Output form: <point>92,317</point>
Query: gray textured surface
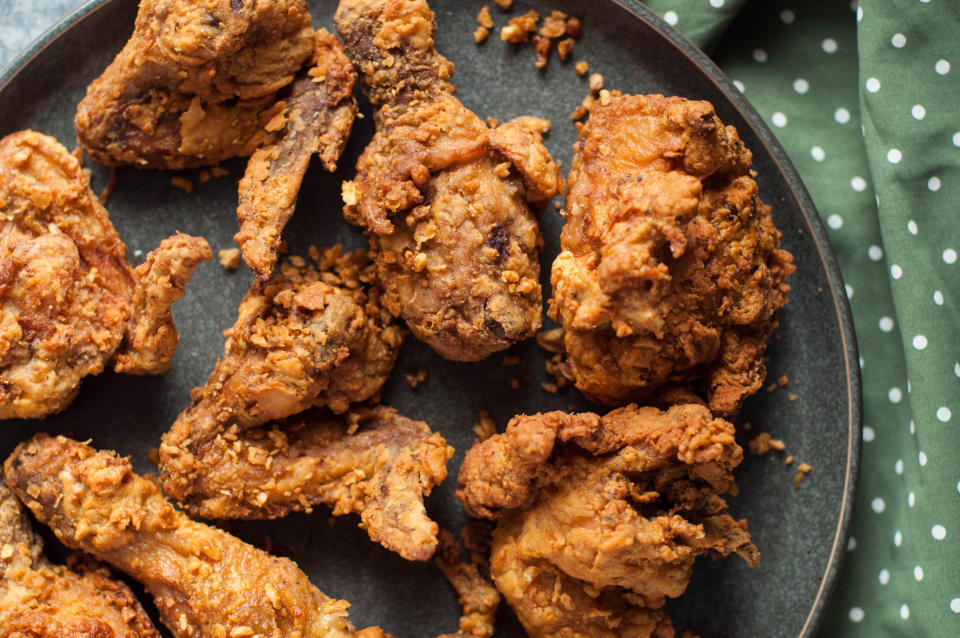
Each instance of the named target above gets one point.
<point>795,529</point>
<point>22,21</point>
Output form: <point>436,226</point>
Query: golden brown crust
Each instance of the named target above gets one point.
<point>195,83</point>
<point>671,267</point>
<point>41,600</point>
<point>603,517</point>
<point>206,583</point>
<point>445,200</point>
<point>369,461</point>
<point>317,117</point>
<point>69,298</point>
<point>478,598</point>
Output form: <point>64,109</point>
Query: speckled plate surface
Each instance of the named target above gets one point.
<point>801,532</point>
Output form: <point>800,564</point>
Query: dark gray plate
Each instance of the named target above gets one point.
<point>801,533</point>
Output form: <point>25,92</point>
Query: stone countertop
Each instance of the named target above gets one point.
<point>23,21</point>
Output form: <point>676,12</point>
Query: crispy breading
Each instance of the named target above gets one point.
<point>196,83</point>
<point>318,114</point>
<point>71,301</point>
<point>671,268</point>
<point>478,598</point>
<point>446,201</point>
<point>601,518</point>
<point>369,461</point>
<point>41,600</point>
<point>205,582</point>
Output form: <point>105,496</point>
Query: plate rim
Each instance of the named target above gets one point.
<point>791,177</point>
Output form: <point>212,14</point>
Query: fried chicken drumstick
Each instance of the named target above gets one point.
<point>41,600</point>
<point>206,583</point>
<point>301,342</point>
<point>601,518</point>
<point>71,301</point>
<point>318,114</point>
<point>445,200</point>
<point>671,267</point>
<point>196,83</point>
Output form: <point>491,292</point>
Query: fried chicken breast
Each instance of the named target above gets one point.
<point>601,518</point>
<point>41,600</point>
<point>71,303</point>
<point>670,267</point>
<point>308,338</point>
<point>318,114</point>
<point>206,583</point>
<point>447,201</point>
<point>196,82</point>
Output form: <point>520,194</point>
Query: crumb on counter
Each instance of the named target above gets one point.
<point>509,361</point>
<point>229,258</point>
<point>514,383</point>
<point>574,28</point>
<point>551,340</point>
<point>791,397</point>
<point>541,49</point>
<point>554,25</point>
<point>182,183</point>
<point>480,34</point>
<point>549,387</point>
<point>564,47</point>
<point>782,381</point>
<point>595,82</point>
<point>763,443</point>
<point>416,379</point>
<point>484,18</point>
<point>485,427</point>
<point>802,470</point>
<point>108,189</point>
<point>788,460</point>
<point>504,4</point>
<point>581,67</point>
<point>214,172</point>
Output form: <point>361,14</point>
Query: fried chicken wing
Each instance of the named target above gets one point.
<point>601,518</point>
<point>41,600</point>
<point>318,115</point>
<point>196,83</point>
<point>70,300</point>
<point>301,342</point>
<point>445,200</point>
<point>370,461</point>
<point>671,268</point>
<point>479,599</point>
<point>206,583</point>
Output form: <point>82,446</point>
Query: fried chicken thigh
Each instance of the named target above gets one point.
<point>41,600</point>
<point>318,114</point>
<point>206,583</point>
<point>445,200</point>
<point>601,518</point>
<point>308,339</point>
<point>671,268</point>
<point>71,303</point>
<point>196,83</point>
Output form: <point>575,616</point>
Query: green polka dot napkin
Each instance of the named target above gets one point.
<point>865,98</point>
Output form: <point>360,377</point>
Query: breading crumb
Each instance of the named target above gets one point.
<point>504,4</point>
<point>486,427</point>
<point>514,383</point>
<point>791,397</point>
<point>480,34</point>
<point>595,82</point>
<point>788,460</point>
<point>581,67</point>
<point>519,28</point>
<point>578,113</point>
<point>564,47</point>
<point>554,25</point>
<point>229,258</point>
<point>763,443</point>
<point>574,28</point>
<point>492,122</point>
<point>484,17</point>
<point>551,340</point>
<point>541,50</point>
<point>782,381</point>
<point>108,189</point>
<point>509,361</point>
<point>549,387</point>
<point>802,470</point>
<point>182,183</point>
<point>416,379</point>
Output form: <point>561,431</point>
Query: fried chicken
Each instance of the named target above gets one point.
<point>479,599</point>
<point>370,461</point>
<point>601,518</point>
<point>196,83</point>
<point>71,301</point>
<point>670,267</point>
<point>318,115</point>
<point>206,583</point>
<point>301,342</point>
<point>41,600</point>
<point>445,200</point>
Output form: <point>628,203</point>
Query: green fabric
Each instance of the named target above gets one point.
<point>890,195</point>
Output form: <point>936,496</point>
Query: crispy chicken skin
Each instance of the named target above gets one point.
<point>317,117</point>
<point>445,200</point>
<point>369,461</point>
<point>670,266</point>
<point>601,518</point>
<point>196,82</point>
<point>206,583</point>
<point>41,600</point>
<point>69,299</point>
<point>301,342</point>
